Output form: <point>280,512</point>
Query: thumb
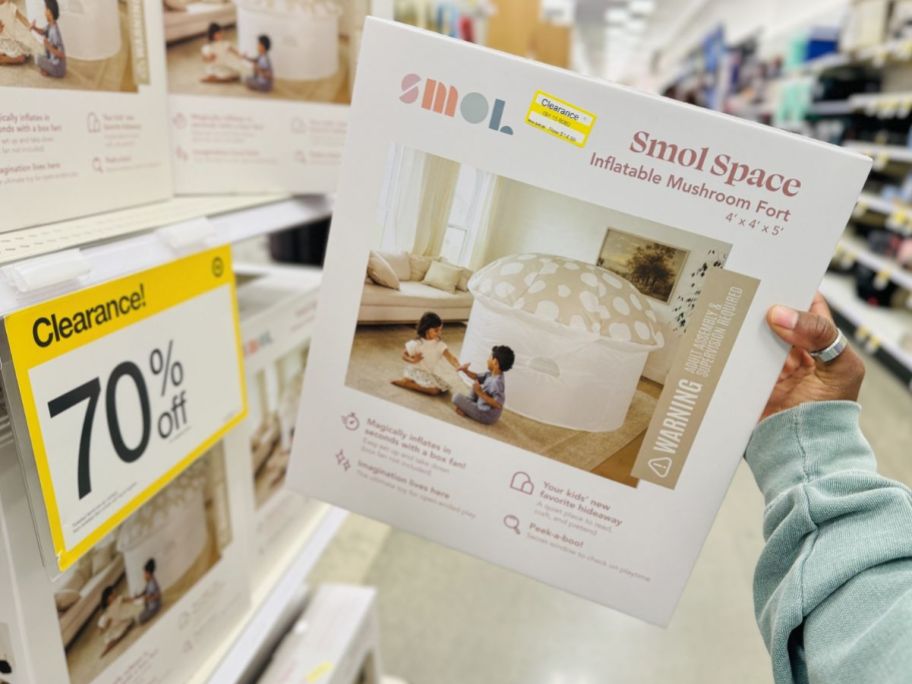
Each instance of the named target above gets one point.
<point>808,331</point>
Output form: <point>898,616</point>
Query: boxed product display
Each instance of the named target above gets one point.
<point>148,603</point>
<point>541,336</point>
<point>277,310</point>
<point>336,641</point>
<point>84,127</point>
<point>259,91</point>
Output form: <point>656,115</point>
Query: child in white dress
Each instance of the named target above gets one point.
<point>118,614</point>
<point>422,356</point>
<point>221,64</point>
<point>17,43</point>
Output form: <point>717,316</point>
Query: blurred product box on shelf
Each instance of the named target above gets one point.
<point>866,25</point>
<point>259,91</point>
<point>541,337</point>
<point>84,126</point>
<point>146,604</point>
<point>277,308</point>
<point>141,503</point>
<point>336,641</point>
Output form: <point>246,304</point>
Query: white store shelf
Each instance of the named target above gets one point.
<point>885,105</point>
<point>818,65</point>
<point>243,647</point>
<point>832,108</point>
<point>880,328</point>
<point>857,250</point>
<point>870,202</point>
<point>125,255</point>
<point>896,153</point>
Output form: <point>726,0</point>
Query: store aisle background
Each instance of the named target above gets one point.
<point>448,618</point>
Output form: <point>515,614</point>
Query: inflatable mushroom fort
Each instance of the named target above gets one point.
<point>581,335</point>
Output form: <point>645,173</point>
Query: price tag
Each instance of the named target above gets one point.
<point>882,279</point>
<point>123,386</point>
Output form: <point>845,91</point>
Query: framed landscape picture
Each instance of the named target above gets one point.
<point>651,267</point>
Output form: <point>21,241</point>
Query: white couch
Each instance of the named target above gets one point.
<point>194,20</point>
<point>406,305</point>
<point>78,591</point>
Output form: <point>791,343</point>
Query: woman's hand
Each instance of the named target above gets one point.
<point>802,378</point>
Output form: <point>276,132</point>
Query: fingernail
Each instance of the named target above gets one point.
<point>784,317</point>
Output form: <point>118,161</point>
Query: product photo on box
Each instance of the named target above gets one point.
<point>539,333</point>
<point>89,129</point>
<point>277,309</point>
<point>259,91</point>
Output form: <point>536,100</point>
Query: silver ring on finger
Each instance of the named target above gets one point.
<point>833,350</point>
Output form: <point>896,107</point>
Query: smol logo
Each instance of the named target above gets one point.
<point>254,345</point>
<point>660,466</point>
<point>444,99</point>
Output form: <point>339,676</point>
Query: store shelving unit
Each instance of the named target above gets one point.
<point>878,331</point>
<point>881,331</point>
<point>158,241</point>
<point>895,153</point>
<point>48,261</point>
<point>240,651</point>
<point>887,269</point>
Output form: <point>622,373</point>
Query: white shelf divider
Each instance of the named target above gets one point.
<point>124,255</point>
<point>229,663</point>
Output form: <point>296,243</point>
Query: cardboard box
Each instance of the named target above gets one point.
<point>83,130</point>
<point>260,91</point>
<point>624,247</point>
<point>277,309</point>
<point>92,624</point>
<point>336,641</point>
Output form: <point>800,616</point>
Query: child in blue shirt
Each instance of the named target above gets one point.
<point>261,80</point>
<point>489,393</point>
<point>53,62</point>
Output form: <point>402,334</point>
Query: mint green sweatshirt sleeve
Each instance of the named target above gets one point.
<point>833,585</point>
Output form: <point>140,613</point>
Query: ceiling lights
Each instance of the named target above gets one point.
<point>626,22</point>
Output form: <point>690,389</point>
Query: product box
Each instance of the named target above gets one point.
<point>277,307</point>
<point>99,622</point>
<point>260,91</point>
<point>336,641</point>
<point>83,127</point>
<point>601,260</point>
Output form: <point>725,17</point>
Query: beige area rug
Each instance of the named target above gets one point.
<point>376,360</point>
<point>186,68</point>
<point>114,74</point>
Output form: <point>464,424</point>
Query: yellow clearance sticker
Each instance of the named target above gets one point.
<point>560,118</point>
<point>319,672</point>
<point>123,386</point>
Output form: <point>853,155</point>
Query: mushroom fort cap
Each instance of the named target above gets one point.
<point>565,292</point>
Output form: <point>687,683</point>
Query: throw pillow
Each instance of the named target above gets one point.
<point>65,599</point>
<point>399,261</point>
<point>443,276</point>
<point>102,555</point>
<point>463,284</point>
<point>381,272</point>
<point>419,266</point>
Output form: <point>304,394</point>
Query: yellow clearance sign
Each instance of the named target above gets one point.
<point>123,386</point>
